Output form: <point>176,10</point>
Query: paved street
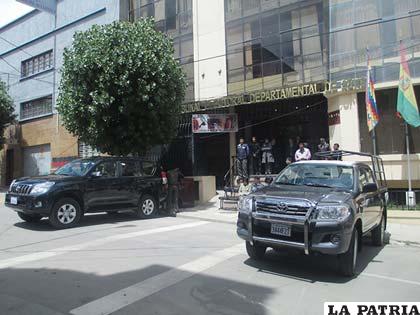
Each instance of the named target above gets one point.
<point>181,266</point>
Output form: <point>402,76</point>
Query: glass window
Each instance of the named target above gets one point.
<point>365,177</point>
<point>234,34</point>
<point>36,64</point>
<point>233,9</point>
<point>390,132</point>
<point>148,168</point>
<point>252,29</point>
<point>75,168</point>
<point>106,169</point>
<point>130,168</point>
<point>270,25</point>
<point>36,108</point>
<point>250,7</point>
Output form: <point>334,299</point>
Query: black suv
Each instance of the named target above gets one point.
<point>318,207</point>
<point>100,184</point>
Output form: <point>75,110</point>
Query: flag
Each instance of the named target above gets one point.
<point>371,108</point>
<point>406,103</point>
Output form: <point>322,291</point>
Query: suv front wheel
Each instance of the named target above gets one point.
<point>147,207</point>
<point>66,213</point>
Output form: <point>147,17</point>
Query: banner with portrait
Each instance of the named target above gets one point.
<point>209,123</point>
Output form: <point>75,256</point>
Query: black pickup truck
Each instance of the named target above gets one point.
<point>321,206</point>
<point>101,184</point>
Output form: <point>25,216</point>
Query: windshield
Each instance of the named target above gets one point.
<point>75,168</point>
<point>320,175</point>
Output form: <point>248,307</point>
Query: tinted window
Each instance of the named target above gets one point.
<point>106,169</point>
<point>365,177</point>
<point>149,168</point>
<point>130,168</point>
<point>75,168</point>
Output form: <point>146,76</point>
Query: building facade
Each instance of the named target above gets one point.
<point>260,58</point>
<point>287,68</point>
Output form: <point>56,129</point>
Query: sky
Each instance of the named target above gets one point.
<point>11,9</point>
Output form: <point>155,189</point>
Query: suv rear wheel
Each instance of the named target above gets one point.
<point>255,251</point>
<point>378,233</point>
<point>347,261</point>
<point>29,217</point>
<point>66,213</point>
<point>147,207</point>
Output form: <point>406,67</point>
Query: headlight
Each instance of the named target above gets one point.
<point>332,212</point>
<point>245,204</point>
<point>41,188</point>
<point>11,185</point>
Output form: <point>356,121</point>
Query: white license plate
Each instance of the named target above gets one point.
<point>281,229</point>
<point>13,200</point>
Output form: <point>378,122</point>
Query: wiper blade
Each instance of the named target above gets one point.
<point>291,184</point>
<point>317,185</point>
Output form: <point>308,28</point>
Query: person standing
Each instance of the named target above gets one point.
<point>242,154</point>
<point>302,154</point>
<point>255,156</point>
<point>267,156</point>
<point>244,188</point>
<point>323,146</point>
<point>337,155</point>
<point>174,182</point>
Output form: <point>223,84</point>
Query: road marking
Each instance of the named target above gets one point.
<point>6,263</point>
<point>390,278</point>
<point>122,298</point>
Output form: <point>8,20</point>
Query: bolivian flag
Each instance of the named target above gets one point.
<point>407,104</point>
<point>372,114</point>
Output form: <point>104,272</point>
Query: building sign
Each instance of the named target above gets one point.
<point>207,123</point>
<point>43,5</point>
<point>276,94</point>
<point>334,118</point>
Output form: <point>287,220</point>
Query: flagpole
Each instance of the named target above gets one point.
<point>374,141</point>
<point>408,158</point>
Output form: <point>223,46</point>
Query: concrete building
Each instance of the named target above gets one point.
<point>291,68</point>
<point>31,50</point>
<point>286,68</point>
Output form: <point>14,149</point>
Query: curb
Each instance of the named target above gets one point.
<point>205,219</point>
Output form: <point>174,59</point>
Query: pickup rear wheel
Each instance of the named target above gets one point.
<point>147,207</point>
<point>66,213</point>
<point>29,217</point>
<point>255,251</point>
<point>378,233</point>
<point>347,261</point>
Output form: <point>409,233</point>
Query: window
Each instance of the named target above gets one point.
<point>390,132</point>
<point>365,177</point>
<point>37,64</point>
<point>36,108</point>
<point>106,169</point>
<point>130,168</point>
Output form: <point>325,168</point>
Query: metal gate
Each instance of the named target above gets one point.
<point>37,160</point>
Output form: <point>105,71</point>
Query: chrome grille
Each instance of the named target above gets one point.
<point>286,207</point>
<point>21,189</point>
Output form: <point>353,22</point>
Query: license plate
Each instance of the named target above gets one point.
<point>13,200</point>
<point>281,229</point>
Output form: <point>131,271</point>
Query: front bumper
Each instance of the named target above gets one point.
<point>330,238</point>
<point>29,204</point>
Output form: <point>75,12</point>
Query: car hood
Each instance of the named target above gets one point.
<point>46,178</point>
<point>313,194</point>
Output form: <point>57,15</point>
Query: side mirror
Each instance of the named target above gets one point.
<point>369,188</point>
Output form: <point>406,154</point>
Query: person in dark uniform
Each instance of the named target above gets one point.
<point>242,154</point>
<point>174,181</point>
<point>255,156</point>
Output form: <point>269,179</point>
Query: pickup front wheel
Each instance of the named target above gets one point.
<point>378,233</point>
<point>255,251</point>
<point>66,213</point>
<point>347,261</point>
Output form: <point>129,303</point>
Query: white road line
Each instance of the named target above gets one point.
<point>390,278</point>
<point>122,298</point>
<point>6,263</point>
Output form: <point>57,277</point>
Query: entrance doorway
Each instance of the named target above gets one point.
<point>303,118</point>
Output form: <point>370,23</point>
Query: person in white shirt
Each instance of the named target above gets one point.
<point>302,154</point>
<point>244,188</point>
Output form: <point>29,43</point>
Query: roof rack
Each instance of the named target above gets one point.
<point>377,162</point>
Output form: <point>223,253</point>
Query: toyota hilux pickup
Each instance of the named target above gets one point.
<point>320,206</point>
<point>99,184</point>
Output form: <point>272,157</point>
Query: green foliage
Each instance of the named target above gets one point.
<point>121,89</point>
<point>7,115</point>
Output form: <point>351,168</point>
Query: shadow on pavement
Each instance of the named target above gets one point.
<point>312,268</point>
<point>56,291</point>
<point>90,219</point>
